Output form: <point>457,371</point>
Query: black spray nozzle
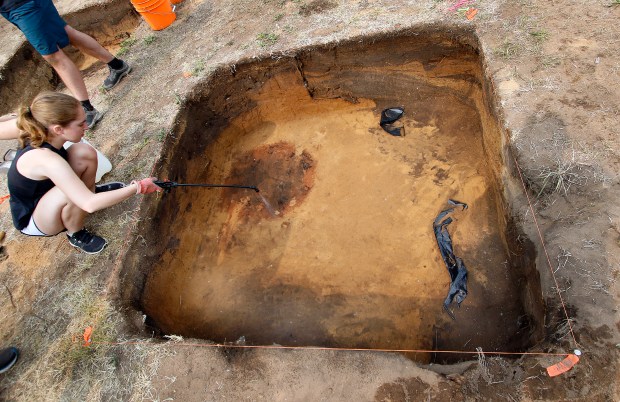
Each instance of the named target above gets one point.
<point>167,185</point>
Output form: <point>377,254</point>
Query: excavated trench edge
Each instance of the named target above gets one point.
<point>178,147</point>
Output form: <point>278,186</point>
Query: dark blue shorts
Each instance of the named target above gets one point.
<point>41,24</point>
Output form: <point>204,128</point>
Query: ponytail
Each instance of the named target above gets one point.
<point>47,109</point>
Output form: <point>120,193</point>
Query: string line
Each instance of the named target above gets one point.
<point>542,242</point>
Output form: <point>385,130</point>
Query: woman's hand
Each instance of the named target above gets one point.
<point>146,186</point>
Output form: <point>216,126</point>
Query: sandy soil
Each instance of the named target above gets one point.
<point>338,183</point>
<point>552,71</point>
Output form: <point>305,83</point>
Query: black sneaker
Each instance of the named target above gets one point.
<point>8,357</point>
<point>116,75</point>
<point>92,117</point>
<point>113,185</point>
<point>87,242</point>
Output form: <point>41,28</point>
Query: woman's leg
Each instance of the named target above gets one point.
<point>87,44</point>
<point>8,127</point>
<point>83,161</point>
<point>69,73</point>
<point>55,211</point>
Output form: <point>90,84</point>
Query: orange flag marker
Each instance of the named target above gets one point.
<point>87,336</point>
<point>471,13</point>
<point>563,366</point>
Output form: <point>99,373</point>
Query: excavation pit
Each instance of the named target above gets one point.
<point>347,257</point>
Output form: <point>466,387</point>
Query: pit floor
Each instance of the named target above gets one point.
<point>350,258</point>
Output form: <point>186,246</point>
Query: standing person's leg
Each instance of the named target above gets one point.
<point>68,73</point>
<point>40,22</point>
<point>86,44</point>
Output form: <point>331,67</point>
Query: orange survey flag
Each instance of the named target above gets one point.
<point>87,334</point>
<point>471,13</point>
<point>563,366</point>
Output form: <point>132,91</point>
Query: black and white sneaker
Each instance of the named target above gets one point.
<point>92,117</point>
<point>8,357</point>
<point>87,242</point>
<point>111,186</point>
<point>116,75</point>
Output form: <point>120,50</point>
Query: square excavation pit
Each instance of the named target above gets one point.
<point>347,257</point>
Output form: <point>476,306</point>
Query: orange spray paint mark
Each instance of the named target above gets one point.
<point>563,366</point>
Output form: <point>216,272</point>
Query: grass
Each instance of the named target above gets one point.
<point>563,329</point>
<point>539,36</point>
<point>149,39</point>
<point>161,135</point>
<point>198,67</point>
<point>125,46</point>
<point>549,61</point>
<point>177,98</point>
<point>266,39</point>
<point>55,364</point>
<point>559,177</point>
<point>508,50</point>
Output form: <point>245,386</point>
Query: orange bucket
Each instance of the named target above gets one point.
<point>158,13</point>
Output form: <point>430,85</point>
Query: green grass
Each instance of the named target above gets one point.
<point>507,50</point>
<point>539,36</point>
<point>177,98</point>
<point>198,67</point>
<point>149,39</point>
<point>266,39</point>
<point>161,135</point>
<point>551,61</point>
<point>126,45</point>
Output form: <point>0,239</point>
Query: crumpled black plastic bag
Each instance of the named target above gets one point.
<point>389,116</point>
<point>456,267</point>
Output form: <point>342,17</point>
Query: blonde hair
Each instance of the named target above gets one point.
<point>47,108</point>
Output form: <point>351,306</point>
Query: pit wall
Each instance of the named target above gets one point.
<point>497,146</point>
<point>350,71</point>
<point>26,73</point>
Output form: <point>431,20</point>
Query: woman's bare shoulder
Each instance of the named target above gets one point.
<point>36,163</point>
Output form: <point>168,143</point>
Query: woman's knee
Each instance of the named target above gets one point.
<point>81,151</point>
<point>56,58</point>
<point>81,157</point>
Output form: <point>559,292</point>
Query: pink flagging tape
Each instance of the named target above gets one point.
<point>563,366</point>
<point>459,4</point>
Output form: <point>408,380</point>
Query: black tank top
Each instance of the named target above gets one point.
<point>25,192</point>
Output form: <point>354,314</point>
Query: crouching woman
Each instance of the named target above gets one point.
<point>53,189</point>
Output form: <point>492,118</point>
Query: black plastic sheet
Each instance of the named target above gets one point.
<point>389,116</point>
<point>456,267</point>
